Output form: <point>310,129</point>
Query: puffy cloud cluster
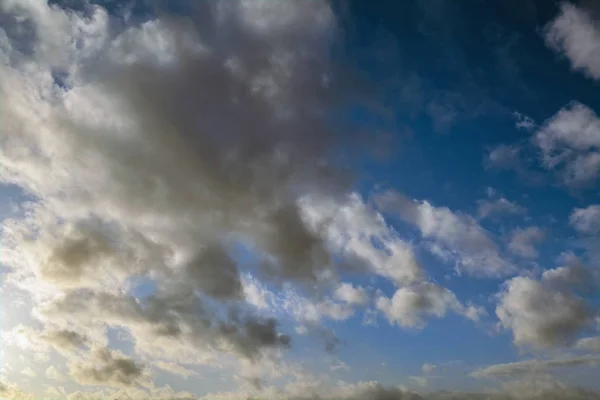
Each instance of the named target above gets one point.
<point>150,152</point>
<point>570,144</point>
<point>410,306</point>
<point>575,34</point>
<point>522,242</point>
<point>549,312</point>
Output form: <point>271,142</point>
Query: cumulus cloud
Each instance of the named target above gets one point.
<point>533,366</point>
<point>586,220</point>
<point>409,307</point>
<point>454,236</point>
<point>522,242</point>
<point>570,145</point>
<point>347,293</point>
<point>575,34</point>
<point>544,313</point>
<point>589,344</point>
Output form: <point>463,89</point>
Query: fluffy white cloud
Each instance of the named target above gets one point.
<point>586,220</point>
<point>570,144</point>
<point>363,238</point>
<point>544,313</point>
<point>409,307</point>
<point>347,293</point>
<point>455,236</point>
<point>575,34</point>
<point>523,242</point>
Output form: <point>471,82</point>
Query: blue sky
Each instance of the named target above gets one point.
<point>282,199</point>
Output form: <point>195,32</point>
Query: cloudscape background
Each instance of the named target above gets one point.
<point>296,199</point>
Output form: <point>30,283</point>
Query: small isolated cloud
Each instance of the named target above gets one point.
<point>504,157</point>
<point>523,242</point>
<point>533,366</point>
<point>569,143</point>
<point>524,122</point>
<point>544,313</point>
<point>576,35</point>
<point>410,307</point>
<point>586,220</point>
<point>427,368</point>
<point>454,236</point>
<point>496,207</point>
<point>351,295</point>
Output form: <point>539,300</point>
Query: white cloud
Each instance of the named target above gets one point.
<point>347,293</point>
<point>409,307</point>
<point>504,157</point>
<point>363,238</point>
<point>576,35</point>
<point>175,369</point>
<point>589,344</point>
<point>544,313</point>
<point>455,236</point>
<point>570,144</point>
<point>586,220</point>
<point>523,242</point>
<point>533,366</point>
<point>491,208</point>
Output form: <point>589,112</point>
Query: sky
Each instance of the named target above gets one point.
<point>295,199</point>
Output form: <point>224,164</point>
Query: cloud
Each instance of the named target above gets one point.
<point>410,306</point>
<point>54,374</point>
<point>106,367</point>
<point>575,34</point>
<point>586,220</point>
<point>543,313</point>
<point>349,294</point>
<point>504,157</point>
<point>360,235</point>
<point>533,366</point>
<point>500,206</point>
<point>175,369</point>
<point>427,368</point>
<point>570,145</point>
<point>589,344</point>
<point>523,242</point>
<point>152,152</point>
<point>454,236</point>
<point>27,371</point>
